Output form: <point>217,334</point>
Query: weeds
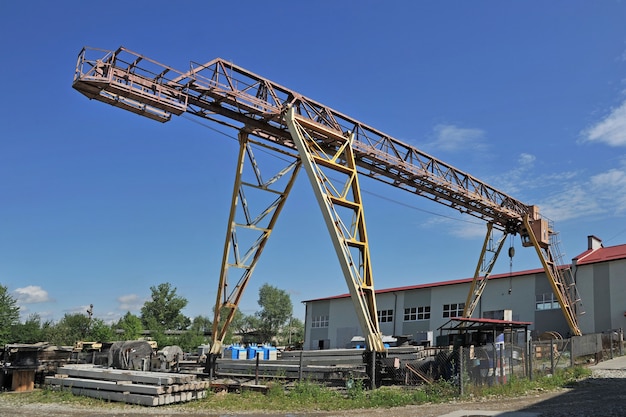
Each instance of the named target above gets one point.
<point>520,386</point>
<point>308,395</point>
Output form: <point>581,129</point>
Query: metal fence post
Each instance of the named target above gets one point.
<point>511,358</point>
<point>256,368</point>
<point>373,369</point>
<point>552,356</point>
<point>461,369</point>
<point>529,354</point>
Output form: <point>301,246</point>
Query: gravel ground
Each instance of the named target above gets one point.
<point>602,395</point>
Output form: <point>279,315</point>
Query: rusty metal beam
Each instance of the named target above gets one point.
<point>222,88</point>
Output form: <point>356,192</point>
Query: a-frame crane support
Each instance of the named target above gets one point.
<point>342,208</point>
<point>483,269</point>
<point>240,256</point>
<point>560,278</point>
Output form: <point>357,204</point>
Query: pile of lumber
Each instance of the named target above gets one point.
<point>131,387</point>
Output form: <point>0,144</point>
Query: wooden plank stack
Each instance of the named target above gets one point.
<point>131,387</point>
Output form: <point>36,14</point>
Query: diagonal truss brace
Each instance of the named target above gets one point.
<point>337,202</point>
<point>483,269</point>
<point>236,259</point>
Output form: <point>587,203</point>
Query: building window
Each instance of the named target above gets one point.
<point>417,313</point>
<point>319,321</point>
<point>385,316</point>
<point>546,301</point>
<point>453,310</point>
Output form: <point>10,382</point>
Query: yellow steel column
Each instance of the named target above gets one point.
<point>235,257</point>
<point>555,278</point>
<point>320,149</point>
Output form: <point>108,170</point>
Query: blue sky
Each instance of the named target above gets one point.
<point>97,204</point>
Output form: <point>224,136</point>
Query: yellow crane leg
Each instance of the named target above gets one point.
<point>322,149</point>
<point>483,270</point>
<point>554,277</point>
<point>236,259</point>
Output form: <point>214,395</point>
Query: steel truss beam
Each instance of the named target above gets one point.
<point>342,208</point>
<point>222,89</point>
<point>241,255</point>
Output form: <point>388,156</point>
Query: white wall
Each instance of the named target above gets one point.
<point>618,294</point>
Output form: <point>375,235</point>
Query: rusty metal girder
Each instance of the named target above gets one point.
<point>221,89</point>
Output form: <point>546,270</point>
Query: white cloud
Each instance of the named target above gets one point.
<point>573,202</point>
<point>465,227</point>
<point>129,302</point>
<point>469,230</point>
<point>603,193</point>
<point>514,180</point>
<point>31,294</point>
<point>110,317</point>
<point>610,186</point>
<point>566,195</point>
<point>611,130</point>
<point>77,310</point>
<point>613,178</point>
<point>451,138</point>
<point>526,160</point>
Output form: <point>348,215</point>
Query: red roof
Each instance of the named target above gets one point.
<point>601,255</point>
<point>434,284</point>
<point>481,324</point>
<point>491,321</point>
<point>587,257</point>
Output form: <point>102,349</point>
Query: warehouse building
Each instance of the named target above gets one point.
<point>418,311</point>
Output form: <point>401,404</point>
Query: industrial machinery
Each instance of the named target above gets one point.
<point>334,150</point>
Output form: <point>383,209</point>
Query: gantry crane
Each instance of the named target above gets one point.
<point>323,141</point>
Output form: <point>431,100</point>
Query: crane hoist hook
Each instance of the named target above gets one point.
<point>511,255</point>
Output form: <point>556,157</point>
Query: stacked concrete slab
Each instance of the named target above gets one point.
<point>131,387</point>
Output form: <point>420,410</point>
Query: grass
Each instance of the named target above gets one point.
<point>562,378</point>
<point>308,396</point>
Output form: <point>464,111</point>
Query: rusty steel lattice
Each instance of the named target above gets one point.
<point>220,88</point>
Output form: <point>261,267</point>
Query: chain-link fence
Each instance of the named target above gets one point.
<point>497,362</point>
<point>553,354</point>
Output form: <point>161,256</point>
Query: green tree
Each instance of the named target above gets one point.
<point>292,333</point>
<point>100,331</point>
<point>237,327</point>
<point>201,325</point>
<point>70,329</point>
<point>31,331</point>
<point>276,309</point>
<point>131,327</point>
<point>163,311</point>
<point>196,335</point>
<point>9,314</point>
